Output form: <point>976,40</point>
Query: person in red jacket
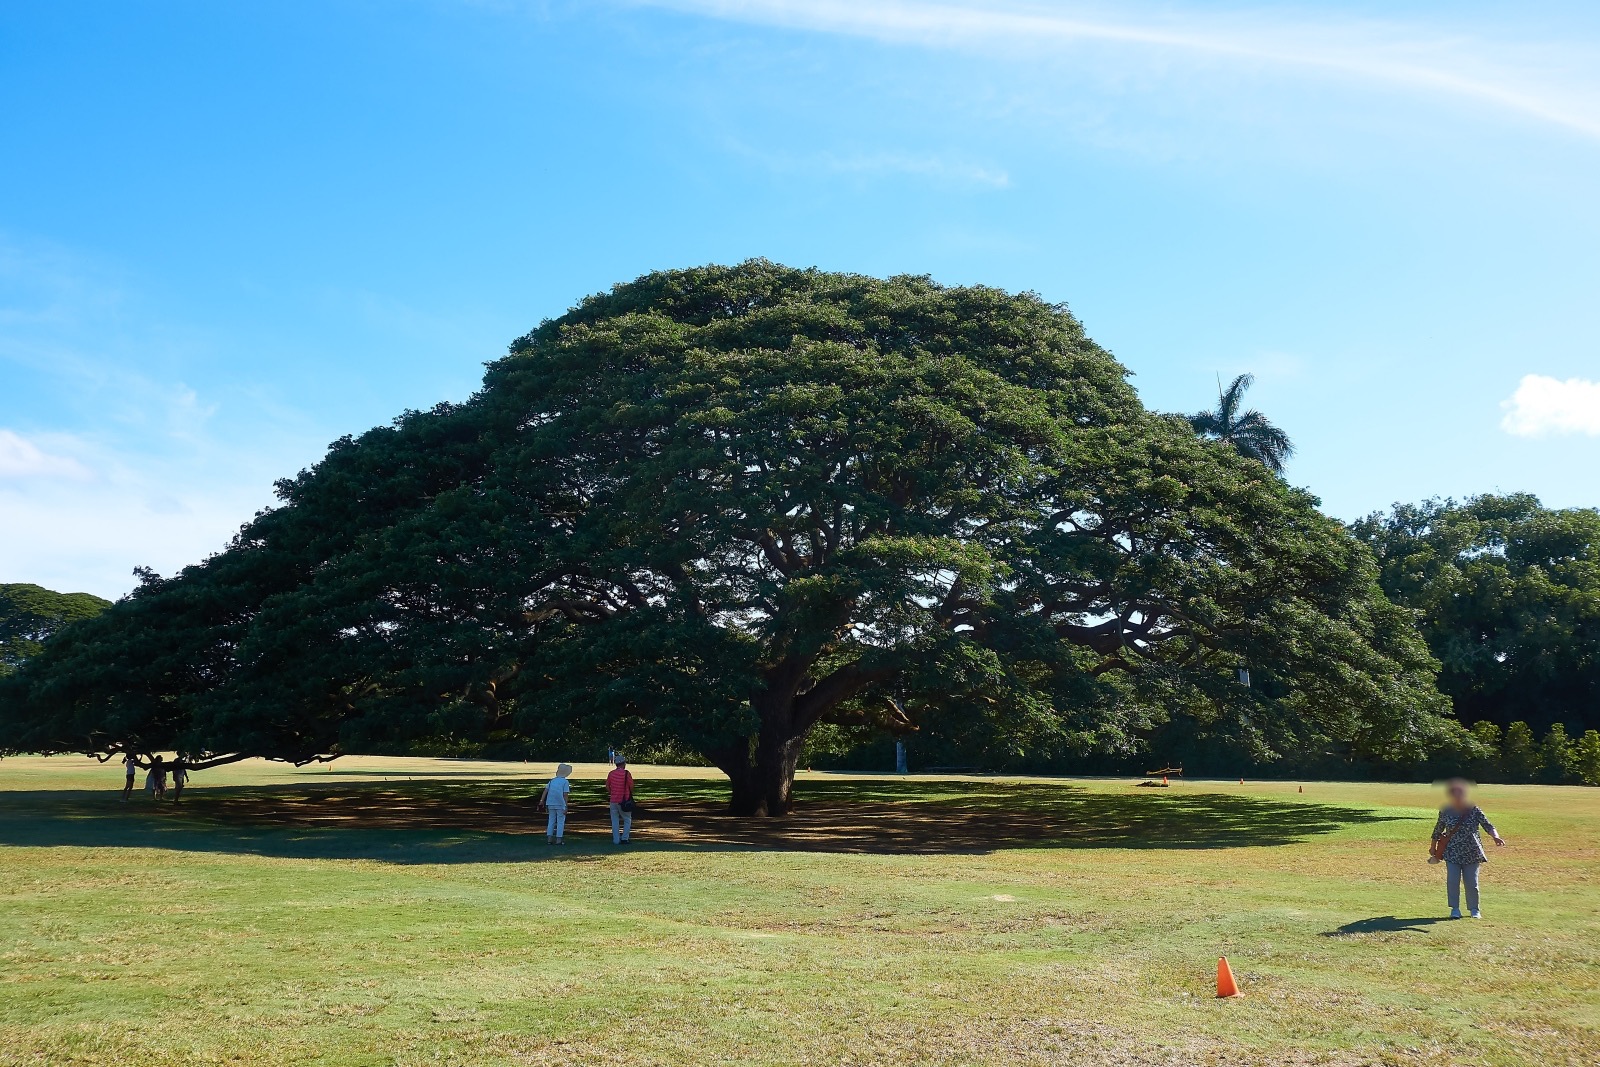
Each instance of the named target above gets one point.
<point>619,791</point>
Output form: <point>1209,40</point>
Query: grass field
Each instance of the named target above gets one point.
<point>408,912</point>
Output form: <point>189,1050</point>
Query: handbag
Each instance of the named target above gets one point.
<point>1436,849</point>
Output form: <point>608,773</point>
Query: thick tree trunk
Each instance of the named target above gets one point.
<point>762,768</point>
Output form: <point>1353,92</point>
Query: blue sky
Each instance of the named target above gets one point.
<point>230,233</point>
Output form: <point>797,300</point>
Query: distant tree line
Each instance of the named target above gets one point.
<point>1483,752</point>
<point>1507,594</point>
<point>1516,754</point>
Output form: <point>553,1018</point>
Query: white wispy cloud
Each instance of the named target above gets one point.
<point>23,458</point>
<point>103,465</point>
<point>1543,405</point>
<point>1547,81</point>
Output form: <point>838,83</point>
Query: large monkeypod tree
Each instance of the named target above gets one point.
<point>725,505</point>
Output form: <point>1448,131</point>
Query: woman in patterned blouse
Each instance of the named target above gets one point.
<point>1463,850</point>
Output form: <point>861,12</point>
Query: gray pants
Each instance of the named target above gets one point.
<point>621,823</point>
<point>556,825</point>
<point>1456,873</point>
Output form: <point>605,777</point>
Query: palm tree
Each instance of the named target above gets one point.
<point>1249,432</point>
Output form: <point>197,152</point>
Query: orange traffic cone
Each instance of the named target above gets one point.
<point>1226,987</point>
<point>1302,789</point>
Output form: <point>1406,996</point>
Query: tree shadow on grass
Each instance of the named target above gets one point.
<point>407,775</point>
<point>497,821</point>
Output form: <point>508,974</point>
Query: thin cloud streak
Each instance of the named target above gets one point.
<point>954,171</point>
<point>1363,51</point>
<point>22,458</point>
<point>924,166</point>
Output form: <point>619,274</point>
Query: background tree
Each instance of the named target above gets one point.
<point>1507,593</point>
<point>1586,758</point>
<point>1519,756</point>
<point>31,614</point>
<point>1555,755</point>
<point>720,507</point>
<point>1489,768</point>
<point>1249,431</point>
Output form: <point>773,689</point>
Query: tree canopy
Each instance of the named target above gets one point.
<point>720,506</point>
<point>1508,595</point>
<point>31,614</point>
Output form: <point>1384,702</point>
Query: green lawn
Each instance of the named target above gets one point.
<point>409,912</point>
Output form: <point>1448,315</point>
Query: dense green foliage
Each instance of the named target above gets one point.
<point>720,507</point>
<point>1508,596</point>
<point>31,614</point>
<point>1516,755</point>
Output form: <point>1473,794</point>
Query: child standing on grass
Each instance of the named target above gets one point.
<point>554,800</point>
<point>1456,842</point>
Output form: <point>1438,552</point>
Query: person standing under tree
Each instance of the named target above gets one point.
<point>130,764</point>
<point>554,800</point>
<point>1456,843</point>
<point>180,778</point>
<point>619,792</point>
<point>155,780</point>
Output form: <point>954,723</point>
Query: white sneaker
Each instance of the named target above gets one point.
<point>1455,913</point>
<point>1477,915</point>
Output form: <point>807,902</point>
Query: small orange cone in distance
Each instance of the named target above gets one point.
<point>1226,986</point>
<point>1302,789</point>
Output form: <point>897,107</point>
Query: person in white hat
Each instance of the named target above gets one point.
<point>554,800</point>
